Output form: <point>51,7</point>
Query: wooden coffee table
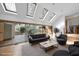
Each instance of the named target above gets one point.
<point>47,45</point>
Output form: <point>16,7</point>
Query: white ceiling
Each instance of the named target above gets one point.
<point>59,9</point>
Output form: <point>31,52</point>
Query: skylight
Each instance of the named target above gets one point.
<point>44,13</point>
<point>52,16</point>
<point>9,7</point>
<point>31,9</point>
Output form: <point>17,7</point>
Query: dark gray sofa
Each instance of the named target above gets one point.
<point>61,53</point>
<point>74,49</point>
<point>38,38</point>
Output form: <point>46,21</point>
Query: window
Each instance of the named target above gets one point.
<point>33,29</point>
<point>10,7</point>
<point>19,29</point>
<point>43,14</point>
<point>31,9</point>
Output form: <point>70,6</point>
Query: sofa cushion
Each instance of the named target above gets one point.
<point>60,39</point>
<point>38,36</point>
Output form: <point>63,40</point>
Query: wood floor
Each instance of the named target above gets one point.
<point>17,39</point>
<point>25,49</point>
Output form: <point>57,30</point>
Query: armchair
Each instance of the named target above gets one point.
<point>62,39</point>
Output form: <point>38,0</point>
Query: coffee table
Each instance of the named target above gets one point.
<point>47,45</point>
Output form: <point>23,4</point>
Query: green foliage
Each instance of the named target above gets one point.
<point>31,29</point>
<point>22,29</point>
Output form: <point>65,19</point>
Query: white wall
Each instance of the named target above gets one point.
<point>59,23</point>
<point>18,18</point>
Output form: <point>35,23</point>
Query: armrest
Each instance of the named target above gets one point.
<point>30,38</point>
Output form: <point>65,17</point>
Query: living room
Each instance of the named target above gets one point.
<point>39,29</point>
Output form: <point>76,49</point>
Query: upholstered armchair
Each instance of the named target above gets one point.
<point>62,39</point>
